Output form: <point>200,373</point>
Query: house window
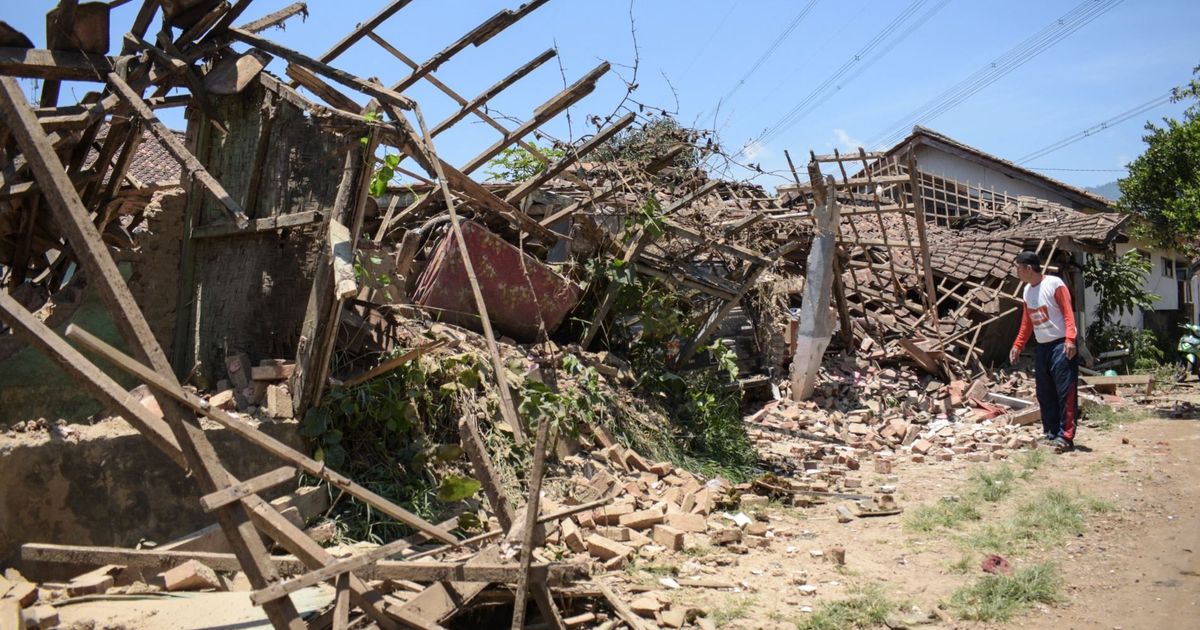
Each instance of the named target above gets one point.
<point>1174,269</point>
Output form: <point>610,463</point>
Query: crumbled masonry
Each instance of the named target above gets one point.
<point>277,265</point>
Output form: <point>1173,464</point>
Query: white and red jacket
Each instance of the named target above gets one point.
<point>1047,313</point>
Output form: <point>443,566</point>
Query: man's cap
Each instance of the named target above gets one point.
<point>1029,258</point>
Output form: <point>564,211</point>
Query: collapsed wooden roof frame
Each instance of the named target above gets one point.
<point>239,510</point>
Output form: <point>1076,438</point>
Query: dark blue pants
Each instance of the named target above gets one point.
<point>1057,384</point>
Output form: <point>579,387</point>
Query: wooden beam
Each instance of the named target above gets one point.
<point>255,485</point>
<point>253,435</point>
<point>548,110</point>
<point>257,226</point>
<point>301,76</point>
<point>477,36</point>
<point>276,18</point>
<point>529,533</point>
<point>508,409</point>
<point>573,156</point>
<point>176,148</point>
<point>329,72</point>
<point>383,43</point>
<point>393,363</point>
<point>476,103</point>
<point>362,30</point>
<point>54,65</point>
<point>75,222</point>
<point>157,560</point>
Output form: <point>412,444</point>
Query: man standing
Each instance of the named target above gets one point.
<point>1048,316</point>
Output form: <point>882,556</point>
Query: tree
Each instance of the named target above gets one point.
<point>1163,186</point>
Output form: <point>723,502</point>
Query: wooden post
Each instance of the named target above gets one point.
<point>96,260</point>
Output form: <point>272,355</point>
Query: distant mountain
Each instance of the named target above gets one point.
<point>1110,190</point>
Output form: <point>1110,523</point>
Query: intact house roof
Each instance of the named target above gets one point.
<point>928,137</point>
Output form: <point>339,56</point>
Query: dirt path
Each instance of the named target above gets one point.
<point>1136,564</point>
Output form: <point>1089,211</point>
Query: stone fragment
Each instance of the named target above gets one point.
<point>673,618</point>
<point>645,606</point>
<point>606,549</point>
<point>753,500</point>
<point>693,523</point>
<point>922,446</point>
<point>725,536</point>
<point>644,519</point>
<point>190,576</point>
<point>668,537</point>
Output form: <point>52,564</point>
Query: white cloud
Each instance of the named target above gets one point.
<point>756,150</point>
<point>848,143</point>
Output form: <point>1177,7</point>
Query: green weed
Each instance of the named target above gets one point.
<point>993,485</point>
<point>732,609</point>
<point>1043,520</point>
<point>866,607</point>
<point>1106,418</point>
<point>944,513</point>
<point>998,597</point>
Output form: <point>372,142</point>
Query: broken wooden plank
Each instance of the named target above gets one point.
<point>341,253</point>
<point>621,608</point>
<point>254,485</point>
<point>477,36</point>
<point>158,560</point>
<point>256,226</point>
<point>262,440</point>
<point>339,76</point>
<point>487,95</point>
<point>573,155</point>
<point>545,112</point>
<point>507,408</point>
<point>529,533</point>
<point>303,77</point>
<point>393,363</point>
<point>54,65</point>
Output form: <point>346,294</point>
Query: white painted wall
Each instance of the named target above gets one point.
<point>937,162</point>
<point>1165,288</point>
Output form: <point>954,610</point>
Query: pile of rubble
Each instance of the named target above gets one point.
<point>894,411</point>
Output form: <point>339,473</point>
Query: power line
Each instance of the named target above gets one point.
<point>831,85</point>
<point>774,46</point>
<point>1097,128</point>
<point>1075,19</point>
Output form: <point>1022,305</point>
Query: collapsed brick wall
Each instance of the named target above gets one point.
<point>155,278</point>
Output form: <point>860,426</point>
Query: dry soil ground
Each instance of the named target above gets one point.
<point>1136,563</point>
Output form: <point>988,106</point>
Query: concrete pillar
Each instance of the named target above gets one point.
<point>816,323</point>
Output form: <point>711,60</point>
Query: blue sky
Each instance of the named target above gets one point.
<point>693,53</point>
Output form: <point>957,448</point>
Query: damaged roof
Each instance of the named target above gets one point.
<point>928,137</point>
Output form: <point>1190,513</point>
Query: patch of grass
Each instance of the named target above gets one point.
<point>947,514</point>
<point>1099,506</point>
<point>696,551</point>
<point>731,609</point>
<point>1106,464</point>
<point>998,597</point>
<point>1031,460</point>
<point>1043,520</point>
<point>993,485</point>
<point>1107,418</point>
<point>963,565</point>
<point>866,607</point>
